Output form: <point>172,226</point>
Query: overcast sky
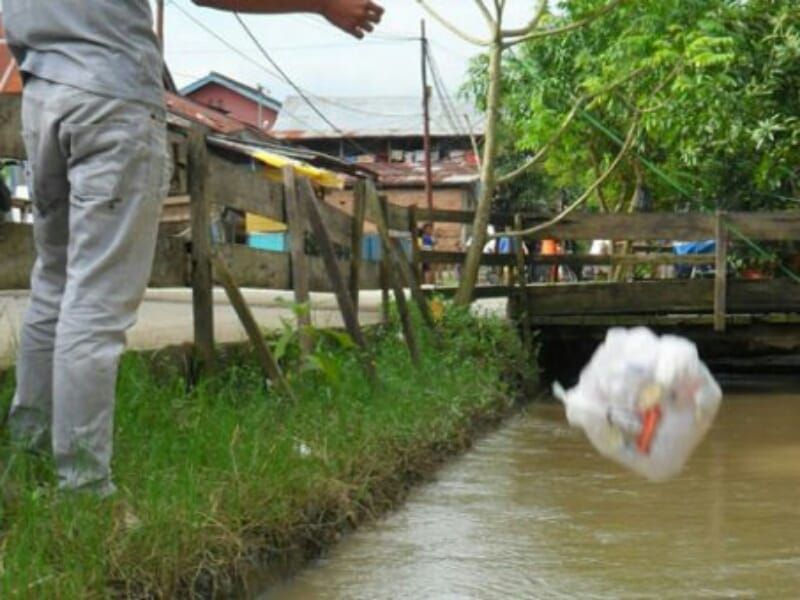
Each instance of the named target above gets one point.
<point>320,58</point>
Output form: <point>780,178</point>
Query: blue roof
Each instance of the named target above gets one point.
<point>236,86</point>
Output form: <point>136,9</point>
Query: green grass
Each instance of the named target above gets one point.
<point>210,476</point>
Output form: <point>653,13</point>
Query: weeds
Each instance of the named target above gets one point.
<point>213,477</point>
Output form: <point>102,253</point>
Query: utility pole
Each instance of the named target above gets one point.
<point>426,98</point>
<point>160,24</point>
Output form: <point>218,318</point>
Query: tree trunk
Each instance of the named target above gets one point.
<point>469,275</point>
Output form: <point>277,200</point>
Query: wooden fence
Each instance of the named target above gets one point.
<point>721,296</point>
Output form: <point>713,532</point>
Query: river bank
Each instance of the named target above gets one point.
<point>226,478</point>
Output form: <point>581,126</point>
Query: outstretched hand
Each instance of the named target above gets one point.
<point>356,17</point>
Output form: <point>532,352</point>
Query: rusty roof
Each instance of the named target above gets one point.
<point>446,173</point>
<point>373,117</point>
<point>10,79</point>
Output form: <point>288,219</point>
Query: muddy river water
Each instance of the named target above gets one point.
<point>534,512</point>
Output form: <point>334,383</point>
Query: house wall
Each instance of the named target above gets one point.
<point>449,235</point>
<point>239,107</point>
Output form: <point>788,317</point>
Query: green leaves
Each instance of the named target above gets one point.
<point>718,81</point>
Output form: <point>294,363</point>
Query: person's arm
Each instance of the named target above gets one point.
<point>356,17</point>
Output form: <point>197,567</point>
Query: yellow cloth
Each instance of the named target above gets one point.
<point>319,176</point>
<point>258,224</point>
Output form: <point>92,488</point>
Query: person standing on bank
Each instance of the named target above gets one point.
<point>93,121</point>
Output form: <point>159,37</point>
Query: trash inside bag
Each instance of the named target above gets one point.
<point>644,401</point>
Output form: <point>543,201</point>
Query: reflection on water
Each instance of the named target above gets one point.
<point>534,512</point>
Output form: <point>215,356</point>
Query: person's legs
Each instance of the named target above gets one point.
<point>118,176</point>
<point>30,416</point>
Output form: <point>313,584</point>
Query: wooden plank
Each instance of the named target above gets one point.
<point>379,207</point>
<point>11,145</point>
<point>721,272</point>
<point>349,315</point>
<point>202,282</point>
<point>400,267</point>
<point>383,276</point>
<point>338,224</point>
<point>265,357</point>
<point>18,256</point>
<point>680,320</point>
<point>171,266</point>
<point>258,268</point>
<point>397,218</point>
<point>437,257</point>
<point>667,297</point>
<point>481,291</point>
<point>766,226</point>
<point>634,226</point>
<point>296,217</point>
<point>403,268</point>
<point>635,297</point>
<point>357,239</point>
<point>243,186</point>
<point>467,217</point>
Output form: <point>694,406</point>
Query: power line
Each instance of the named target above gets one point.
<point>304,96</point>
<point>449,105</point>
<point>270,72</point>
<point>225,42</point>
<point>291,82</point>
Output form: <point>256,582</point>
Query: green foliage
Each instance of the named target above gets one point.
<point>718,82</point>
<point>208,474</point>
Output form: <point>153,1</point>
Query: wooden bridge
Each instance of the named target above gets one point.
<point>726,315</point>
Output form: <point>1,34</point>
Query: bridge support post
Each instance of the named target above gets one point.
<point>721,272</point>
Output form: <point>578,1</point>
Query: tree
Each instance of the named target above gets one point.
<point>722,78</point>
<point>501,40</point>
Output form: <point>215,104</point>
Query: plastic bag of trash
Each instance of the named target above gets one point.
<point>644,401</point>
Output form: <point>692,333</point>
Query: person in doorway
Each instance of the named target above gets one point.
<point>94,129</point>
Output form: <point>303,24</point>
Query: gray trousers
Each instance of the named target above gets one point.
<point>98,175</point>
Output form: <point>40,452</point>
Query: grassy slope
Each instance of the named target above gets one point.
<point>210,475</point>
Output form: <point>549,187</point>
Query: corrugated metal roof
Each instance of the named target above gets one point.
<point>444,173</point>
<point>373,117</point>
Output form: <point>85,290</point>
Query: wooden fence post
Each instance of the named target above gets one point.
<point>349,314</point>
<point>266,359</point>
<point>384,281</point>
<point>379,206</point>
<point>396,259</point>
<point>721,272</point>
<point>413,230</point>
<point>356,250</point>
<point>296,217</point>
<point>522,282</point>
<point>202,275</point>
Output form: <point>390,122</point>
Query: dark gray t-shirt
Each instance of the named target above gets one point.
<point>103,46</point>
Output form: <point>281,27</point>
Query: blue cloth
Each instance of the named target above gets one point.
<point>703,247</point>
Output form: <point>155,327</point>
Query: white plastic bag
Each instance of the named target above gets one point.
<point>644,401</point>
